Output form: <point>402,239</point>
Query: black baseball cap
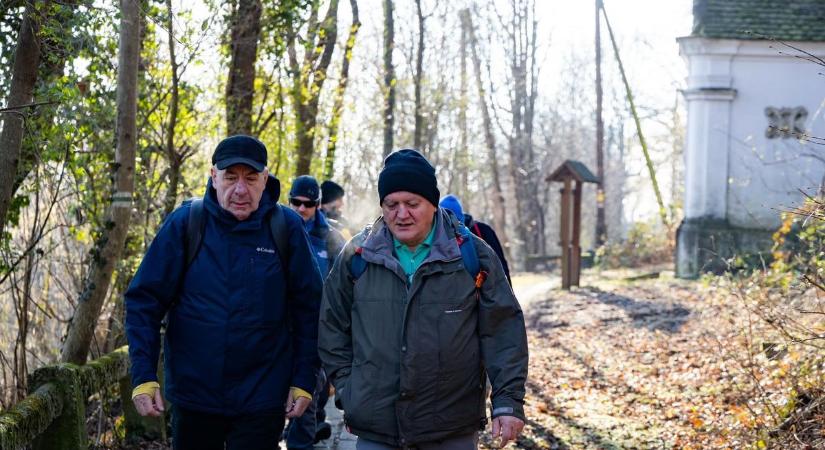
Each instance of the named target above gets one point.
<point>240,149</point>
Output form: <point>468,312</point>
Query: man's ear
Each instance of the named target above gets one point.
<point>213,172</point>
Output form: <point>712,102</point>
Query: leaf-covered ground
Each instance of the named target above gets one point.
<point>645,363</point>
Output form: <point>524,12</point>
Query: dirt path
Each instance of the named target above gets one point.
<point>615,364</point>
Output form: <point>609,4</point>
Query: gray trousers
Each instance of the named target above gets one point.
<point>466,442</point>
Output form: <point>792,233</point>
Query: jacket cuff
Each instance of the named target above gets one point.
<point>507,407</point>
<point>298,392</point>
<point>147,388</point>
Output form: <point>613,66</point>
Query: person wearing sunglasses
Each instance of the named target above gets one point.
<point>326,243</point>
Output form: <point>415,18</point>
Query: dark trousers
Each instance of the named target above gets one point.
<point>193,430</point>
<point>466,442</point>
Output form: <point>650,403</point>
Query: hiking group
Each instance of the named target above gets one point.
<point>262,310</point>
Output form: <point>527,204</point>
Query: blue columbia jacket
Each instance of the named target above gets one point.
<point>326,241</point>
<point>243,330</point>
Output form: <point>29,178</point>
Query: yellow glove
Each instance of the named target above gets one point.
<point>147,388</point>
<point>298,392</point>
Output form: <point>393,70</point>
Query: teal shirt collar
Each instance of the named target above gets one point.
<point>410,261</point>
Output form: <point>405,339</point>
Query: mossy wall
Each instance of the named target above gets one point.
<point>53,415</point>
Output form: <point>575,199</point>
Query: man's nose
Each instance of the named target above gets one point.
<point>241,188</point>
<point>403,211</point>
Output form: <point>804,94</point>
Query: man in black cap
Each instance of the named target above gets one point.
<point>416,311</point>
<point>242,307</point>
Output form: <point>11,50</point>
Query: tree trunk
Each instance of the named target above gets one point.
<point>338,105</point>
<point>521,32</point>
<point>649,162</point>
<point>240,85</point>
<point>23,80</point>
<point>308,81</point>
<point>464,134</point>
<point>601,221</point>
<point>419,75</point>
<point>172,155</point>
<point>499,209</point>
<point>389,78</point>
<point>110,244</point>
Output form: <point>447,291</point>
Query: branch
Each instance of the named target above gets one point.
<point>15,109</point>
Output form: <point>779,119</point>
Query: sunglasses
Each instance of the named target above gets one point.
<point>307,203</point>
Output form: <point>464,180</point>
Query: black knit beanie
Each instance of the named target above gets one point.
<point>408,170</point>
<point>305,186</point>
<point>331,191</point>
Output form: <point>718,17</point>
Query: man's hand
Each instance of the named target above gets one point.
<point>295,406</point>
<point>506,429</point>
<point>147,405</point>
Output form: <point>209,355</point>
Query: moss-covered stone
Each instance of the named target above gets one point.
<point>26,420</point>
<point>53,415</point>
<point>67,430</point>
<point>104,371</point>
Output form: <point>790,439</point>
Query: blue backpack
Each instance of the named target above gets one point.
<point>464,239</point>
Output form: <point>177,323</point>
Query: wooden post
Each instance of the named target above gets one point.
<point>571,214</point>
<point>565,234</point>
<point>575,249</point>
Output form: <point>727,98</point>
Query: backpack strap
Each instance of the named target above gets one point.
<point>469,256</point>
<point>194,231</point>
<point>277,227</point>
<point>357,264</point>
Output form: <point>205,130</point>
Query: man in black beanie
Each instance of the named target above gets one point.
<point>411,323</point>
<point>332,202</point>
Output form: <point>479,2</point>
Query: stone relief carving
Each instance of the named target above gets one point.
<point>786,122</point>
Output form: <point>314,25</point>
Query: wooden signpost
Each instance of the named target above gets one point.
<point>573,174</point>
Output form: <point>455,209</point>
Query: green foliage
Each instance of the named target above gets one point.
<point>799,246</point>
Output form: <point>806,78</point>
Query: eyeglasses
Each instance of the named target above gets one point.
<point>307,203</point>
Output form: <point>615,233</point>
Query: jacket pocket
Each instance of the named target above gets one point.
<point>460,386</point>
<point>265,305</point>
<point>458,341</point>
<point>359,399</point>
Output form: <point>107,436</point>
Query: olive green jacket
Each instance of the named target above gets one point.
<point>408,361</point>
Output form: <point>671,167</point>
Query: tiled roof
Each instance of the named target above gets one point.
<point>784,20</point>
<point>575,169</point>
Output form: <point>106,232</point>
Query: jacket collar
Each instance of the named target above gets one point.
<point>318,226</point>
<point>269,200</point>
<point>378,245</point>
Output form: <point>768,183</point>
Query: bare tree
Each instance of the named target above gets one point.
<point>389,77</point>
<point>174,155</point>
<point>520,32</point>
<point>338,103</point>
<point>419,75</point>
<point>601,225</point>
<point>23,80</point>
<point>499,210</point>
<point>110,244</point>
<point>240,84</point>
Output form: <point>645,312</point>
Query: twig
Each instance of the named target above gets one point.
<point>796,415</point>
<point>16,109</point>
